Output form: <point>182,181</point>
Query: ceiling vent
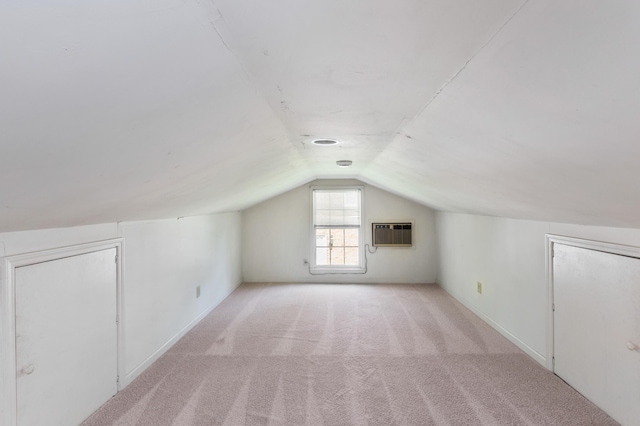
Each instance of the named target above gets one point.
<point>325,142</point>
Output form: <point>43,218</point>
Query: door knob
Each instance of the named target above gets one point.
<point>28,369</point>
<point>632,346</point>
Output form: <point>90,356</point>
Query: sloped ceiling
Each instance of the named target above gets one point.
<point>124,110</point>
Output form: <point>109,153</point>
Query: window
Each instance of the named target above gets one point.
<point>337,235</point>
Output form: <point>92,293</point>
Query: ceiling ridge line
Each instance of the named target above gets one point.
<point>214,15</point>
<point>407,120</point>
<point>464,66</point>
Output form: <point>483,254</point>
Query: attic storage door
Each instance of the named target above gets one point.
<point>596,324</point>
<point>66,338</point>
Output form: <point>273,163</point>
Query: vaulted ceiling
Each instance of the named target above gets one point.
<point>141,109</point>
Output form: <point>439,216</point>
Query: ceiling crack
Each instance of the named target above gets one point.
<point>220,37</point>
<point>215,15</point>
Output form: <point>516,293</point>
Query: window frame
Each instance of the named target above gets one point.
<point>314,267</point>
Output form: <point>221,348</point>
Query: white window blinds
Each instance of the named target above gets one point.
<point>336,208</point>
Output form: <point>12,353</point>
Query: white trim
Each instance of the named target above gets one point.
<point>335,269</point>
<point>121,315</point>
<point>8,397</point>
<point>8,415</point>
<point>506,333</point>
<point>548,264</point>
<point>137,370</point>
<point>621,249</point>
<point>551,240</point>
<point>503,331</point>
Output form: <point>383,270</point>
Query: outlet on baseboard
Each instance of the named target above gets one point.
<point>197,292</point>
<point>479,287</point>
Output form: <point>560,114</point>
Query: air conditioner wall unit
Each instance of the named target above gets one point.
<point>396,234</point>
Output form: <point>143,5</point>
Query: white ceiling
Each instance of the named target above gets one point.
<point>123,110</point>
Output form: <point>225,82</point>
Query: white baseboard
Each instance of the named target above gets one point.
<point>506,333</point>
<point>136,371</point>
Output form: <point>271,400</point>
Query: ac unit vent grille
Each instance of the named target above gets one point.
<point>392,234</point>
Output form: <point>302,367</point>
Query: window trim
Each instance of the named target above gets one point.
<point>336,269</point>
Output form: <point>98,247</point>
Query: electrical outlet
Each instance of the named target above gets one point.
<point>479,287</point>
<point>197,292</point>
<point>305,261</point>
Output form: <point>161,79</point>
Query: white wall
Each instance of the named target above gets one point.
<point>164,261</point>
<point>276,238</point>
<point>508,257</point>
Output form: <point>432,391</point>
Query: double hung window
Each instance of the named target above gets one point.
<point>337,231</point>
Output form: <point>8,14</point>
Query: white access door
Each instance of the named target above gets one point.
<point>597,328</point>
<point>66,338</point>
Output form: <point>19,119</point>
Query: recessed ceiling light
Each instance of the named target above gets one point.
<point>325,142</point>
<point>344,163</point>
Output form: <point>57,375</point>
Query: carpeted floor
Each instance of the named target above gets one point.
<point>320,354</point>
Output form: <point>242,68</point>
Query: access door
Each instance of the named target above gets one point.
<point>597,327</point>
<point>66,338</point>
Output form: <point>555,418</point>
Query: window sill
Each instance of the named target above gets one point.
<point>337,270</point>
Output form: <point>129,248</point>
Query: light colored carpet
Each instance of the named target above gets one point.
<point>320,354</point>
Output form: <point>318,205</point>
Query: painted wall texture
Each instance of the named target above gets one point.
<point>508,257</point>
<point>165,260</point>
<point>276,238</point>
